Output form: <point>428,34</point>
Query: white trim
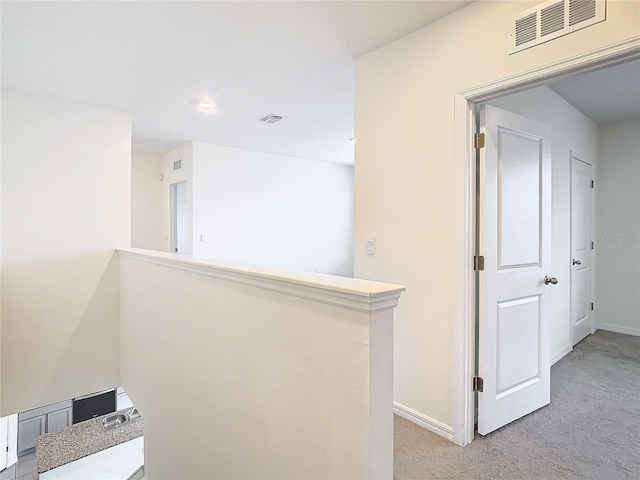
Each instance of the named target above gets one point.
<point>359,295</point>
<point>464,334</point>
<point>463,154</point>
<point>423,421</point>
<point>620,52</point>
<point>559,356</point>
<point>609,327</point>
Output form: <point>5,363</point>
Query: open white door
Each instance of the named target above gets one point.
<point>180,235</point>
<point>515,240</point>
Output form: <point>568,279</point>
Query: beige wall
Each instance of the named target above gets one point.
<point>409,190</point>
<point>65,207</point>
<point>250,377</point>
<point>146,201</point>
<point>618,239</point>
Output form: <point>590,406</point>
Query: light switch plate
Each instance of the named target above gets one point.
<point>370,249</point>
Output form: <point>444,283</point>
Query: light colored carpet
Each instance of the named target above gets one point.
<point>591,429</point>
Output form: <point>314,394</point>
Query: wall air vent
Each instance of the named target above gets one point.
<point>581,11</point>
<point>271,118</point>
<point>526,28</point>
<point>177,165</point>
<point>553,19</point>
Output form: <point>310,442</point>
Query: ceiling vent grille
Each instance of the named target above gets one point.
<point>271,118</point>
<point>553,19</point>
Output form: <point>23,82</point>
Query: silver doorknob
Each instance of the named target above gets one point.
<point>577,262</point>
<point>550,280</point>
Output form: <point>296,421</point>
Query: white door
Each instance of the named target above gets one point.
<point>180,233</point>
<point>515,240</point>
<point>8,441</point>
<point>581,249</point>
<point>4,442</point>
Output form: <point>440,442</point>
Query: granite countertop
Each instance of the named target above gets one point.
<point>69,444</point>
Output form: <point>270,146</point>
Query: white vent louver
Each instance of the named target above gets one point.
<point>177,165</point>
<point>271,118</point>
<point>553,19</point>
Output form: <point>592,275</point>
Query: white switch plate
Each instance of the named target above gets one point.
<point>370,249</point>
<point>203,237</point>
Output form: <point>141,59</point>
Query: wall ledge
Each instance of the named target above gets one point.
<point>351,293</point>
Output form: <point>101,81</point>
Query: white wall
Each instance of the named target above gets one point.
<point>66,183</point>
<point>263,209</point>
<point>146,201</point>
<point>618,239</point>
<point>572,133</point>
<point>410,187</point>
<point>257,373</point>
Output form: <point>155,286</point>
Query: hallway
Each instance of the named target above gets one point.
<point>591,429</point>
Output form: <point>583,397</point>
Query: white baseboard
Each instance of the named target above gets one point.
<point>423,421</point>
<point>556,358</point>
<point>619,329</point>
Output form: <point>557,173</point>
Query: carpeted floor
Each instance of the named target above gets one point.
<point>591,429</point>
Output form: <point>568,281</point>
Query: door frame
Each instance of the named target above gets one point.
<point>464,160</point>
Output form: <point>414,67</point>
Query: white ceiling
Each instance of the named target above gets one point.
<point>157,59</point>
<point>605,96</point>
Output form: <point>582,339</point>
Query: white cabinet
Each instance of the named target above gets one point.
<point>59,419</point>
<point>36,422</point>
<point>30,429</point>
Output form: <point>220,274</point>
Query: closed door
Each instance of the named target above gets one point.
<point>581,249</point>
<point>514,207</point>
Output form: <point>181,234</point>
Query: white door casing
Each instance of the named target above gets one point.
<point>581,249</point>
<point>515,240</point>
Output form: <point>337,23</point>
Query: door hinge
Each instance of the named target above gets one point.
<point>478,140</point>
<point>478,263</point>
<point>478,384</point>
<point>592,183</point>
<point>591,305</point>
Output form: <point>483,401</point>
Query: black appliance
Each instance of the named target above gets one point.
<point>94,405</point>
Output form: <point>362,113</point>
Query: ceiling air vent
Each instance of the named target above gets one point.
<point>271,118</point>
<point>553,19</point>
